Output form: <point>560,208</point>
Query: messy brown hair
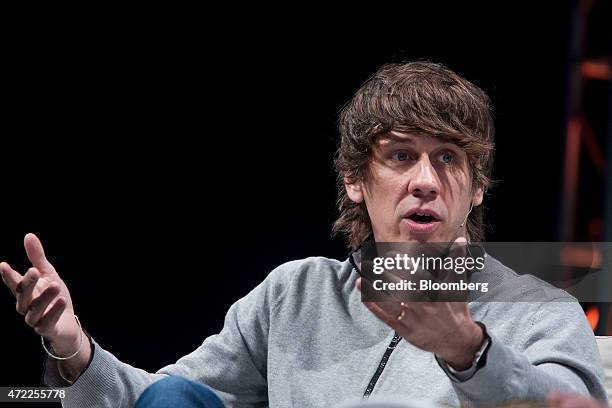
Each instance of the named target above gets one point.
<point>421,97</point>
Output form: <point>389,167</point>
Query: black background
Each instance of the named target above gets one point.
<point>168,164</point>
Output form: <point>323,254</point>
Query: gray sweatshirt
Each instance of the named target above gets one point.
<point>302,338</point>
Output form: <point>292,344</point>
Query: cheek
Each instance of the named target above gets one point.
<point>458,202</point>
<point>457,188</point>
<point>382,200</point>
<point>385,192</point>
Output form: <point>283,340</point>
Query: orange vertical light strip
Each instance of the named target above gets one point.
<point>592,147</point>
<point>570,186</point>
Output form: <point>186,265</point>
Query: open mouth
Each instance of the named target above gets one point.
<point>421,221</point>
<point>422,218</point>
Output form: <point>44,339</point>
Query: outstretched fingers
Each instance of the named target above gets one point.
<point>25,290</point>
<point>39,305</point>
<point>10,277</point>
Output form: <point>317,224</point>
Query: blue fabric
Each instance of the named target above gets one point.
<point>178,392</point>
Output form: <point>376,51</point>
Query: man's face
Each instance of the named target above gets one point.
<point>417,189</point>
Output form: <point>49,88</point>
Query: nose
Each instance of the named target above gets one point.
<point>425,183</point>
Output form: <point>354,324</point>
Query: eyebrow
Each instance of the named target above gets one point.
<point>391,138</point>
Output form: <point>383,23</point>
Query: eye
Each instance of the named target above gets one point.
<point>447,158</point>
<point>400,156</point>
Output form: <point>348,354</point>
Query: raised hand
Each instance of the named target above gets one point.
<point>44,300</point>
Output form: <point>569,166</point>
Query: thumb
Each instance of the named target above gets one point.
<point>36,253</point>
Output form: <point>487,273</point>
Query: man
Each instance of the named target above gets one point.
<point>414,162</point>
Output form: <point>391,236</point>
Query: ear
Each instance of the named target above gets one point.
<point>354,191</point>
<point>478,196</point>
